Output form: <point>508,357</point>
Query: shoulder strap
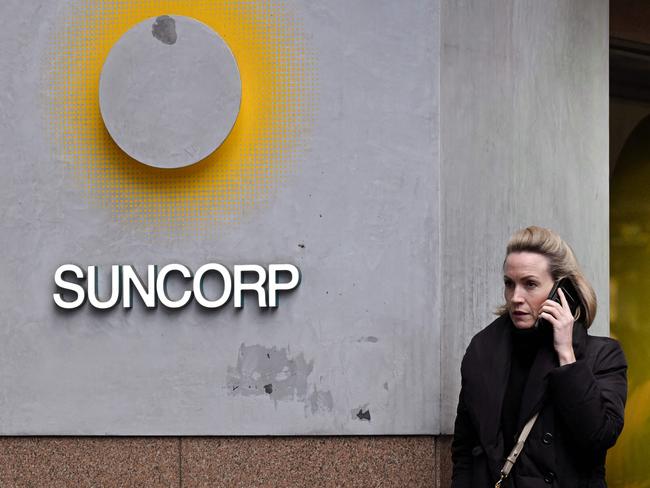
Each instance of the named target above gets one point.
<point>514,454</point>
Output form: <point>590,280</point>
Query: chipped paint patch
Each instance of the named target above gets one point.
<point>361,413</point>
<point>320,401</point>
<point>269,371</point>
<point>164,29</point>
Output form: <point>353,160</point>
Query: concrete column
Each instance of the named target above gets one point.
<point>524,140</point>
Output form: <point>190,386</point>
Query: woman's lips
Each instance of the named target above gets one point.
<point>519,314</point>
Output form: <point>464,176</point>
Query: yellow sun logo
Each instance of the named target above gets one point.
<point>277,105</point>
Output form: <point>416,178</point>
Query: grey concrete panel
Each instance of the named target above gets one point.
<point>357,214</point>
<point>169,91</point>
<point>524,121</point>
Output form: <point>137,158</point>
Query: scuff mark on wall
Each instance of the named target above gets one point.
<point>368,339</point>
<point>269,371</point>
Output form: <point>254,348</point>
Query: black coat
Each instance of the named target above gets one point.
<point>581,412</point>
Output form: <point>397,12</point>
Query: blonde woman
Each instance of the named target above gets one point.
<point>537,357</point>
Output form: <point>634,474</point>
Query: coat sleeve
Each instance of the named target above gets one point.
<point>461,447</point>
<point>464,441</point>
<point>591,401</point>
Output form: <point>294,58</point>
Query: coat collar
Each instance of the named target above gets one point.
<point>497,371</point>
<point>535,391</point>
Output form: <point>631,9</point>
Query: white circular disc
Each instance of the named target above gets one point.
<point>169,91</point>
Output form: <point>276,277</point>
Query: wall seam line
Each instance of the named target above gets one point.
<point>180,462</point>
<point>439,292</point>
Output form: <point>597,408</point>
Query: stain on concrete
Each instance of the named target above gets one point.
<point>269,371</point>
<point>361,413</point>
<point>320,401</point>
<point>386,385</point>
<point>368,339</point>
<point>164,29</point>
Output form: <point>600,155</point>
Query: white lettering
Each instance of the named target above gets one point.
<point>66,285</point>
<point>130,277</point>
<point>161,287</point>
<point>257,286</point>
<point>93,288</point>
<point>275,285</point>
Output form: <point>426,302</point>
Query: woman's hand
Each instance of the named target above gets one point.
<point>561,318</point>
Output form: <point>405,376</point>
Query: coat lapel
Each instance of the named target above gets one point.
<point>495,378</point>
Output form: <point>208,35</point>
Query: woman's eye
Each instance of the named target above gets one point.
<point>507,284</point>
<point>531,284</point>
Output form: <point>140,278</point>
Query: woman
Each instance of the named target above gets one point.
<point>517,366</point>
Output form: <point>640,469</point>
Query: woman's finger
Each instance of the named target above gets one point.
<point>549,317</point>
<point>565,304</point>
<point>553,306</point>
<point>556,310</point>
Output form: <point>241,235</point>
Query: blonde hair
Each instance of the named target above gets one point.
<point>562,264</point>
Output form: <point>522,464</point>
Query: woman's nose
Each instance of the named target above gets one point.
<point>517,295</point>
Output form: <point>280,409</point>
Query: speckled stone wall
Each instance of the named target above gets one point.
<point>421,461</point>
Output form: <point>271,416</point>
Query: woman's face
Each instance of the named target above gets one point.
<point>527,283</point>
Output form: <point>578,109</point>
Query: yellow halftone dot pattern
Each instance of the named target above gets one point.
<point>278,82</point>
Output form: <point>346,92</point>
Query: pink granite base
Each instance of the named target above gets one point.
<point>213,462</point>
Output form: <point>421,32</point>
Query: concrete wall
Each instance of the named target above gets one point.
<point>339,179</point>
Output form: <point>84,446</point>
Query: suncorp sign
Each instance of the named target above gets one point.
<point>125,280</point>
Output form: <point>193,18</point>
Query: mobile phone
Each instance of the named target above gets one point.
<point>570,294</point>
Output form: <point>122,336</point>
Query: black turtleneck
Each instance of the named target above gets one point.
<point>525,343</point>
